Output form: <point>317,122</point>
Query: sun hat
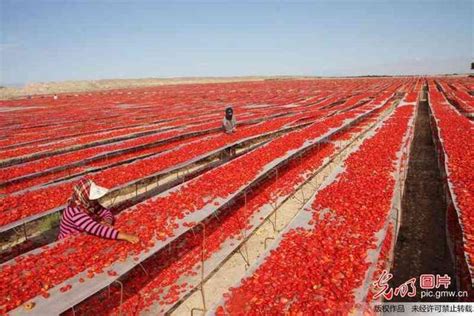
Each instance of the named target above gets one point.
<point>96,192</point>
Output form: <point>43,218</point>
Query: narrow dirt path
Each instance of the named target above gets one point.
<point>421,246</point>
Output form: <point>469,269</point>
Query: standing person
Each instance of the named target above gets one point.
<point>84,213</point>
<point>229,123</point>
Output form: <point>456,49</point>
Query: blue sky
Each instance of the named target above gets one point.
<point>72,40</point>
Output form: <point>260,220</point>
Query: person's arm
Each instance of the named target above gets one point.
<point>227,125</point>
<point>224,124</point>
<point>85,223</point>
<point>106,216</point>
<point>234,124</point>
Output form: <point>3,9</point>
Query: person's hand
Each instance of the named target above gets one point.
<point>128,237</point>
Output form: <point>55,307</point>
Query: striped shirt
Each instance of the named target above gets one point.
<point>74,221</point>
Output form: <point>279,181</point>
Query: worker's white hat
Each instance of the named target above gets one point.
<point>96,192</point>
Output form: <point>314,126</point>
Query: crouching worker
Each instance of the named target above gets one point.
<point>84,213</point>
<point>229,125</point>
<point>229,121</point>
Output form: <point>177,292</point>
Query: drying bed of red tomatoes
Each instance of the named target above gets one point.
<point>34,149</point>
<point>81,154</point>
<point>357,127</point>
<point>78,140</point>
<point>383,263</point>
<point>71,158</point>
<point>76,120</point>
<point>160,285</point>
<point>162,103</point>
<point>76,156</point>
<point>84,139</point>
<point>63,160</point>
<point>186,125</point>
<point>101,136</point>
<point>301,275</point>
<point>16,207</point>
<point>93,166</point>
<point>454,90</point>
<point>45,132</point>
<point>456,133</point>
<point>155,218</point>
<point>53,126</point>
<point>70,114</point>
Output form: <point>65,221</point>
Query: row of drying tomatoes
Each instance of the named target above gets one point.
<point>460,96</point>
<point>456,133</point>
<point>59,138</point>
<point>76,156</point>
